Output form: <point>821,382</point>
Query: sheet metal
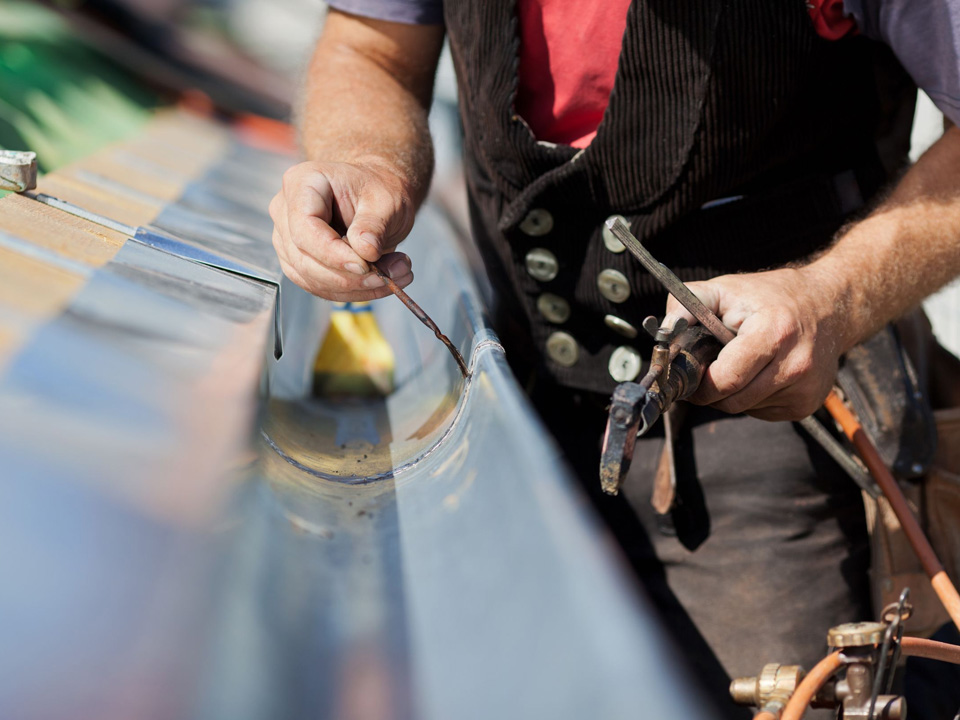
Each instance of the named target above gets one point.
<point>174,547</point>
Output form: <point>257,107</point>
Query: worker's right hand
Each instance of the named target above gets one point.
<point>318,202</point>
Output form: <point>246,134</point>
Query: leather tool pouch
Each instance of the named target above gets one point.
<point>918,444</point>
<point>882,387</point>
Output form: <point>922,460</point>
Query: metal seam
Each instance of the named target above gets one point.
<point>491,345</point>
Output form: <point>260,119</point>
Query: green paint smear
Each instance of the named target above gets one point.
<point>59,96</point>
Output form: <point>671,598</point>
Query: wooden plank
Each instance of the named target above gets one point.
<point>140,177</point>
<point>34,288</point>
<point>123,205</point>
<point>58,231</point>
<point>121,166</point>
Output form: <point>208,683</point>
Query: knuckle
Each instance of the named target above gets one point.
<point>344,284</point>
<point>294,276</point>
<point>299,263</point>
<point>288,181</point>
<point>800,367</point>
<point>731,406</point>
<point>803,366</point>
<point>785,330</point>
<point>274,207</point>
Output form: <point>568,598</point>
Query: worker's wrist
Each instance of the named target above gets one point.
<point>847,278</point>
<point>405,181</point>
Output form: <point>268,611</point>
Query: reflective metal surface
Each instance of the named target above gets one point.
<point>186,533</point>
<point>18,170</point>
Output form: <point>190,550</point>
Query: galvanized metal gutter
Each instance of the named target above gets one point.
<point>185,533</point>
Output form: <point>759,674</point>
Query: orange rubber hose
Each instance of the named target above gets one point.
<point>810,686</point>
<point>825,669</point>
<point>920,647</point>
<point>898,503</point>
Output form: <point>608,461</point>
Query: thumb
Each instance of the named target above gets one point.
<point>707,292</point>
<point>376,227</point>
<point>366,235</point>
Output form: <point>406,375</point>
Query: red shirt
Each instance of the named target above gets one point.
<point>568,60</point>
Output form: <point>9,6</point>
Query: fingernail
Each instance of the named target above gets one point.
<point>398,267</point>
<point>354,268</point>
<point>374,281</point>
<point>371,241</point>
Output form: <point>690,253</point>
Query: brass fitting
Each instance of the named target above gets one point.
<point>774,681</point>
<point>856,635</point>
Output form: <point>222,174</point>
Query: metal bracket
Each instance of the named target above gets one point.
<point>18,170</point>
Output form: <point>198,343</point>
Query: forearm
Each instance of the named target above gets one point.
<point>906,249</point>
<point>364,129</point>
<point>367,98</point>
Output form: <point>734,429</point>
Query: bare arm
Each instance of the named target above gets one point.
<point>794,323</point>
<point>364,131</point>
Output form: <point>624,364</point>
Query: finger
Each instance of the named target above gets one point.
<point>293,275</point>
<point>370,231</point>
<point>319,283</point>
<point>324,280</point>
<point>395,264</point>
<point>281,247</point>
<point>773,413</point>
<point>315,238</point>
<point>278,213</point>
<point>376,293</point>
<point>759,393</point>
<point>796,400</point>
<point>707,292</point>
<point>738,363</point>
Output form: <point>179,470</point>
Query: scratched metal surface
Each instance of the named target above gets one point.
<point>185,533</point>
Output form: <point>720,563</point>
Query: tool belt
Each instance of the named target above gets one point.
<point>894,381</point>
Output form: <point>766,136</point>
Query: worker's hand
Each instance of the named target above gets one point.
<point>790,333</point>
<point>331,220</point>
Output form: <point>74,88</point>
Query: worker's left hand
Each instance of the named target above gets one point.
<point>790,333</point>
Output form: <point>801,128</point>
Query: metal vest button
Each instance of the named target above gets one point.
<point>554,308</point>
<point>619,325</point>
<point>609,239</point>
<point>563,349</point>
<point>542,264</point>
<point>613,285</point>
<point>537,223</point>
<point>624,364</point>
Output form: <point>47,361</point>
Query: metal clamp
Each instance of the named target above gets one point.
<point>18,170</point>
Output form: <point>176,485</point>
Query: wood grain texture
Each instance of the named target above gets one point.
<point>129,182</point>
<point>52,229</point>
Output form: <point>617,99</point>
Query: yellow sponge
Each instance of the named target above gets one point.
<point>354,357</point>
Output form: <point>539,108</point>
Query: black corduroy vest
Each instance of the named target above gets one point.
<point>713,99</point>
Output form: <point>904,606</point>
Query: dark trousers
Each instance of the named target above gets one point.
<point>766,549</point>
